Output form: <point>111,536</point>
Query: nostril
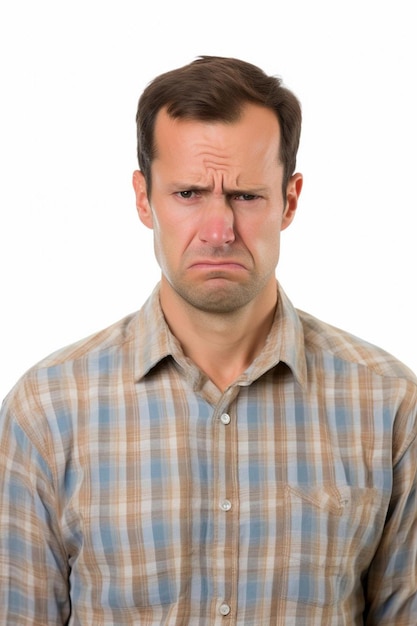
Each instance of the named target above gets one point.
<point>217,237</point>
<point>217,228</point>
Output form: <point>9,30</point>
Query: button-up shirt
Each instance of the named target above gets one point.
<point>134,491</point>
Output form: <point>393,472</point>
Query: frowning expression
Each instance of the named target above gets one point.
<point>216,207</point>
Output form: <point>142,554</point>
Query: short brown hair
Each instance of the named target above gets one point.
<point>215,88</point>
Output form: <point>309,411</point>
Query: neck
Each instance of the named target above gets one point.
<point>222,346</point>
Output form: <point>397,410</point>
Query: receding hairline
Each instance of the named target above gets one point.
<point>238,115</point>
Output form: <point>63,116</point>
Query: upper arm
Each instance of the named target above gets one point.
<point>391,587</point>
<point>33,568</point>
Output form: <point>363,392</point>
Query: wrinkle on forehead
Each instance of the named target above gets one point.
<point>219,155</point>
<point>223,172</point>
<point>225,181</point>
<point>216,171</point>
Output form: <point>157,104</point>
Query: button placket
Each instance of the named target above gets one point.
<point>225,533</point>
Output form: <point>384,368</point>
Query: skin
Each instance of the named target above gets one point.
<point>217,212</point>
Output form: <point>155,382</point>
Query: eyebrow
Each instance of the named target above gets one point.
<point>254,189</point>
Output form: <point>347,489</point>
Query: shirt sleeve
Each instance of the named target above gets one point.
<point>392,578</point>
<point>34,568</point>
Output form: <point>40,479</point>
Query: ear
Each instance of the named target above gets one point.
<point>142,203</point>
<point>294,187</point>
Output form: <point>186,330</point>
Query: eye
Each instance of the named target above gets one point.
<point>186,194</point>
<point>246,197</point>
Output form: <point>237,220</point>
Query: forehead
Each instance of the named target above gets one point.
<point>252,141</point>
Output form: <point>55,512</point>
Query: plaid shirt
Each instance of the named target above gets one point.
<point>133,491</point>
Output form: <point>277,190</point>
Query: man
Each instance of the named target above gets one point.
<point>218,457</point>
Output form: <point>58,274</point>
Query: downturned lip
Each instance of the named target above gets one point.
<point>217,264</point>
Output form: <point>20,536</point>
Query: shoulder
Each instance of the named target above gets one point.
<point>69,368</point>
<point>325,339</point>
<point>106,340</point>
<point>363,374</point>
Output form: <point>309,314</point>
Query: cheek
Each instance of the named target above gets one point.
<point>159,244</point>
<point>265,237</point>
<point>272,248</point>
<point>168,246</point>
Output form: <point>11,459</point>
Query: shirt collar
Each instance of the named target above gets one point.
<point>285,343</point>
<point>154,341</point>
<point>151,335</point>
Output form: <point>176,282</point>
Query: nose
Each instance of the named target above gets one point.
<point>217,223</point>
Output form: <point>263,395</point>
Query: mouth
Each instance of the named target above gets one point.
<point>219,265</point>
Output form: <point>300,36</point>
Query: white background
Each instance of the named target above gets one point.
<point>74,257</point>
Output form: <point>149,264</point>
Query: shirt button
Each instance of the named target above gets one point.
<point>225,419</point>
<point>225,505</point>
<point>224,609</point>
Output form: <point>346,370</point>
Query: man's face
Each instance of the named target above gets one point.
<point>217,208</point>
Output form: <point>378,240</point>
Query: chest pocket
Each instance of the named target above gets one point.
<point>333,532</point>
